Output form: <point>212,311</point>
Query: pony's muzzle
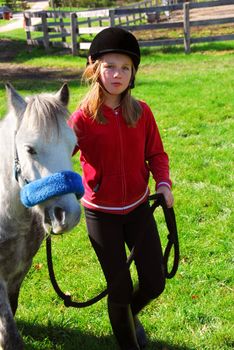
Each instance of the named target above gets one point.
<point>58,216</point>
<point>60,221</point>
<point>56,195</point>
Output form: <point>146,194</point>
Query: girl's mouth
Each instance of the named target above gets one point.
<point>117,84</point>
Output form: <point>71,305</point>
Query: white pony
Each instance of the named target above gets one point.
<point>35,142</point>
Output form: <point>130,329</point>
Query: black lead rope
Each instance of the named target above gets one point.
<point>172,242</point>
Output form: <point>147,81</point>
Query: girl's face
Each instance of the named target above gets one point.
<point>115,72</point>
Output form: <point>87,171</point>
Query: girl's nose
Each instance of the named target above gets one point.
<point>116,73</point>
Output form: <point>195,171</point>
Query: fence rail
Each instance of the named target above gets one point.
<point>75,30</point>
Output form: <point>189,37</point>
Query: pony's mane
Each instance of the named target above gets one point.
<point>44,113</point>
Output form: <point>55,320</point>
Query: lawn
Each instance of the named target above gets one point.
<point>192,97</point>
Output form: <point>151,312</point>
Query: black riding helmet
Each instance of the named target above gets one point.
<point>115,39</point>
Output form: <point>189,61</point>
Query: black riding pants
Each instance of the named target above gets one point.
<point>109,233</point>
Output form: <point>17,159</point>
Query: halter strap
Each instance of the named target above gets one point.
<point>17,167</point>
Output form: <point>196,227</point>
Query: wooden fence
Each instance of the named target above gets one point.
<point>75,30</point>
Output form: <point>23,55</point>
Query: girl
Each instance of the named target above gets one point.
<point>120,145</point>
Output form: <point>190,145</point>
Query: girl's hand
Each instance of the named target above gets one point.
<point>167,195</point>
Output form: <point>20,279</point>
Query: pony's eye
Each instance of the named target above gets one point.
<point>31,150</point>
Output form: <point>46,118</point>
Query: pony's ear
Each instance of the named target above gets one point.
<point>63,94</point>
<point>15,101</point>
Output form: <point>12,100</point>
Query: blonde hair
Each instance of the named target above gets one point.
<point>94,99</point>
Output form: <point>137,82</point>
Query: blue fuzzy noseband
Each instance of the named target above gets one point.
<point>48,187</point>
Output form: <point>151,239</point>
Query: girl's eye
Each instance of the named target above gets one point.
<point>107,66</point>
<point>126,68</point>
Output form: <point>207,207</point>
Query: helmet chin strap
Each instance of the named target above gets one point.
<point>102,86</point>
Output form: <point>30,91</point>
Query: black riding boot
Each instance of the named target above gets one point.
<point>123,326</point>
<point>139,301</point>
<point>140,333</point>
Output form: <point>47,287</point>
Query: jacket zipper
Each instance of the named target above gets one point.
<point>117,116</point>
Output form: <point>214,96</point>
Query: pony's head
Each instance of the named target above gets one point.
<point>43,145</point>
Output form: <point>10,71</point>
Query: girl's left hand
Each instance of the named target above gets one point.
<point>167,195</point>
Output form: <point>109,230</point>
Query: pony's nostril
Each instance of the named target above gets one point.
<point>59,214</point>
<point>55,219</point>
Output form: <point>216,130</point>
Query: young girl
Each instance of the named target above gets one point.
<point>120,145</point>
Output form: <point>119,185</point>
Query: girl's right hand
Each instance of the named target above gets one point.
<point>167,195</point>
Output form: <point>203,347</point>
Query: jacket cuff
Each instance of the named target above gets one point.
<point>162,183</point>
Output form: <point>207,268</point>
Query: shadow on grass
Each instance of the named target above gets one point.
<point>15,51</point>
<point>9,48</point>
<point>58,337</point>
<point>36,74</point>
<point>195,48</point>
<point>38,86</point>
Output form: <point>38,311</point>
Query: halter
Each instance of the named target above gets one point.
<point>17,166</point>
<point>38,191</point>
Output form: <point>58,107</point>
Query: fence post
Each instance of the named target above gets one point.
<point>140,13</point>
<point>62,31</point>
<point>74,33</point>
<point>27,24</point>
<point>186,28</point>
<point>45,31</point>
<point>112,18</point>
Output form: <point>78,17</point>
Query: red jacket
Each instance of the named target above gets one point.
<point>117,159</point>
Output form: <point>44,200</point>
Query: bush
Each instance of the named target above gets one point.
<point>15,5</point>
<point>87,3</point>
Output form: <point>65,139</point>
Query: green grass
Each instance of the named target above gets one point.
<point>192,97</point>
<point>3,22</point>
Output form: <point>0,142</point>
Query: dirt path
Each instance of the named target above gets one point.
<point>17,20</point>
<point>206,13</point>
<point>11,72</point>
<point>212,12</point>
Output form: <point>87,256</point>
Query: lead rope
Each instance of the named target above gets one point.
<point>173,241</point>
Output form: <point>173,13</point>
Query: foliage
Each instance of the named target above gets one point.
<point>83,3</point>
<point>15,5</point>
<point>89,4</point>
